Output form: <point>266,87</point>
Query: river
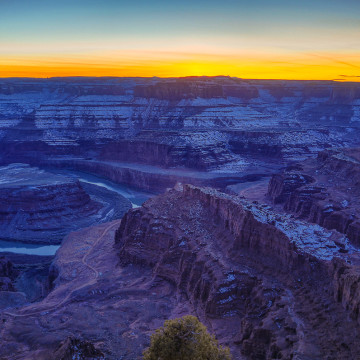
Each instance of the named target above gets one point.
<point>135,196</point>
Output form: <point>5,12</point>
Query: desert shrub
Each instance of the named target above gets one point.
<point>184,338</point>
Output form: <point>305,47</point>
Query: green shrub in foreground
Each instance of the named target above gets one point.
<point>184,338</point>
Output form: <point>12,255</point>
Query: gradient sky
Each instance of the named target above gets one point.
<point>278,39</point>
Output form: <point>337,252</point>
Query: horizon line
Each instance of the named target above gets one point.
<point>176,77</point>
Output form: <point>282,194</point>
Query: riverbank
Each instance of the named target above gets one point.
<point>115,200</point>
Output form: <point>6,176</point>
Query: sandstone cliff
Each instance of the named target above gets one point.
<point>269,286</point>
<point>253,271</point>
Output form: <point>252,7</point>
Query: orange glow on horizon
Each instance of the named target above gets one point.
<point>132,64</point>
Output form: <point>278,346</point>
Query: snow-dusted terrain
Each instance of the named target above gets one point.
<point>193,122</point>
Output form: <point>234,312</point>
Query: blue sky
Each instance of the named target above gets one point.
<point>43,28</point>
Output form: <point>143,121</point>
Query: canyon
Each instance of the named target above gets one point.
<point>40,207</point>
<point>220,125</point>
<point>268,285</point>
<point>230,199</point>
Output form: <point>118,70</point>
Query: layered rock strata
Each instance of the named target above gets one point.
<point>323,191</point>
<point>216,118</point>
<point>250,269</point>
<point>157,179</point>
<point>201,150</point>
<point>41,207</point>
<point>267,285</point>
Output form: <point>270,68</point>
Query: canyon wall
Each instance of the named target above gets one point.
<point>170,153</point>
<point>152,178</point>
<point>232,259</point>
<point>323,191</point>
<point>7,274</point>
<point>267,285</point>
<point>195,122</point>
<point>148,179</point>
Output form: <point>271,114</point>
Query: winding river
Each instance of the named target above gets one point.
<point>136,197</point>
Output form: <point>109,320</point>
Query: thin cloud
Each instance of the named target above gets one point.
<point>350,76</point>
<point>336,60</point>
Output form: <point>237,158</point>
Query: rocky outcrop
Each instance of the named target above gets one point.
<point>77,349</point>
<point>14,291</point>
<point>170,150</point>
<point>219,250</point>
<point>265,284</point>
<point>324,191</point>
<point>23,279</point>
<point>7,275</point>
<point>41,207</point>
<point>345,163</point>
<point>346,284</point>
<point>281,186</point>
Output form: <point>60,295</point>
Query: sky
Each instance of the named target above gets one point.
<point>257,39</point>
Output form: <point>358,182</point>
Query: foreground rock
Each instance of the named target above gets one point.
<point>41,207</point>
<point>23,279</point>
<point>267,285</point>
<point>94,301</point>
<point>77,349</point>
<point>324,190</point>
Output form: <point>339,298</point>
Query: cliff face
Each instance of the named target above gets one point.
<point>268,286</point>
<point>150,179</point>
<point>7,275</point>
<point>242,262</point>
<point>324,191</point>
<point>346,284</point>
<point>91,118</point>
<point>172,150</point>
<point>154,178</point>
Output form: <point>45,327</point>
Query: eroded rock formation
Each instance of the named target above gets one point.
<point>237,260</point>
<point>323,191</point>
<point>7,274</point>
<point>77,349</point>
<point>41,207</point>
<point>269,286</point>
<point>196,122</point>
